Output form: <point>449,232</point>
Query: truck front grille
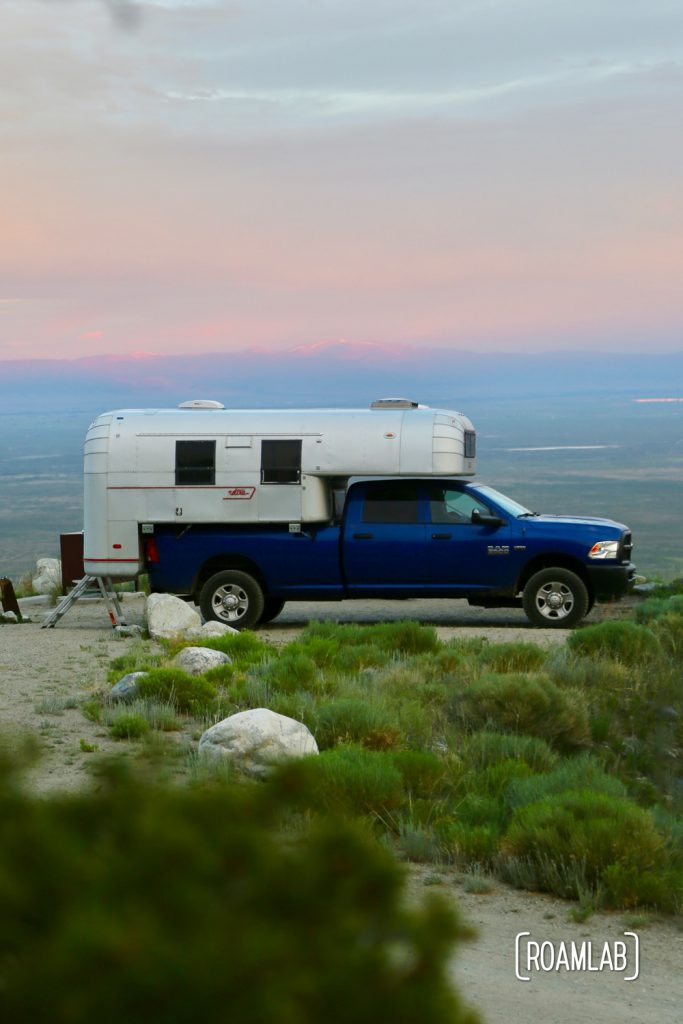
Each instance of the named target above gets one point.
<point>625,546</point>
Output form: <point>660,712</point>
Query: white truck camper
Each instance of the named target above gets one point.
<point>202,463</point>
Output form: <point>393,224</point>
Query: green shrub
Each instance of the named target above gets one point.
<point>496,778</point>
<point>140,656</point>
<point>244,648</point>
<point>418,843</point>
<point>584,673</point>
<point>423,772</point>
<point>565,878</point>
<point>527,704</point>
<point>335,631</point>
<point>291,670</point>
<point>115,905</point>
<point>300,705</point>
<point>655,607</point>
<point>224,677</point>
<point>158,714</point>
<point>193,694</point>
<point>405,637</point>
<point>669,631</point>
<point>413,680</point>
<point>419,724</point>
<point>628,886</point>
<point>480,749</point>
<point>322,650</point>
<point>467,647</point>
<point>579,773</point>
<point>623,640</point>
<point>356,781</point>
<point>671,827</point>
<point>474,882</point>
<point>128,726</point>
<point>356,658</point>
<point>478,809</point>
<point>513,657</point>
<point>578,834</point>
<point>636,713</point>
<point>470,844</point>
<point>354,720</point>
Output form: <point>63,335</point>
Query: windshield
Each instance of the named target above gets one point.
<point>510,506</point>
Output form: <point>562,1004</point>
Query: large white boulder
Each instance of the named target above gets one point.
<point>168,617</point>
<point>197,660</point>
<point>258,740</point>
<point>48,576</point>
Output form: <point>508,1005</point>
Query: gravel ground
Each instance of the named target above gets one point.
<point>41,670</point>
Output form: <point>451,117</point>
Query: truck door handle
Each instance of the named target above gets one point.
<point>441,536</point>
<point>362,536</point>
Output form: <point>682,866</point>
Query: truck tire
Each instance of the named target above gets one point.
<point>555,599</point>
<point>232,597</point>
<point>272,606</point>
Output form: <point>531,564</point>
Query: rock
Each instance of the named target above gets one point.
<point>8,617</point>
<point>128,630</point>
<point>168,617</point>
<point>210,629</point>
<point>48,577</point>
<point>126,690</point>
<point>258,740</point>
<point>197,660</point>
<point>644,588</point>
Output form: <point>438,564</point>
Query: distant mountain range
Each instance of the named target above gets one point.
<point>330,374</point>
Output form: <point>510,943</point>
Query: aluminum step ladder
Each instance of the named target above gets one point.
<point>89,583</point>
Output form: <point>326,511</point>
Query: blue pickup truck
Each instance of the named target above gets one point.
<point>399,538</point>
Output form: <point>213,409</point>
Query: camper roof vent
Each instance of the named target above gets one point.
<point>395,403</point>
<point>201,403</point>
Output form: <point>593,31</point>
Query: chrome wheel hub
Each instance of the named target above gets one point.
<point>555,600</point>
<point>230,603</point>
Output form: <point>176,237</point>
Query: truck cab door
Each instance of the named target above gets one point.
<point>463,553</point>
<point>384,539</point>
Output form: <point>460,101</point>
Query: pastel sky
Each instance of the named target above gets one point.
<point>489,175</point>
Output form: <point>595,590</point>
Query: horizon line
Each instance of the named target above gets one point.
<point>316,348</point>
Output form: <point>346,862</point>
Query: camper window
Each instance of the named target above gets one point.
<point>195,463</point>
<point>280,462</point>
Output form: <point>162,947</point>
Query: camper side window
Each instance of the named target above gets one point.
<point>280,462</point>
<point>195,463</point>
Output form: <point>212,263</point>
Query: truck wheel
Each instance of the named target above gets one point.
<point>232,597</point>
<point>555,599</point>
<point>272,607</point>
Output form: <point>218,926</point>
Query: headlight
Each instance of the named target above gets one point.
<point>604,549</point>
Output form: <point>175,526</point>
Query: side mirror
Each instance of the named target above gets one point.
<point>484,519</point>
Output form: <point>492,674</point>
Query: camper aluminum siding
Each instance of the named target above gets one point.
<point>247,466</point>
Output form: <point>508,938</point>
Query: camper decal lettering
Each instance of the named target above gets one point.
<point>239,493</point>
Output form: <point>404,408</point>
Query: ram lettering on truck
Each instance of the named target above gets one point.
<point>245,510</point>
